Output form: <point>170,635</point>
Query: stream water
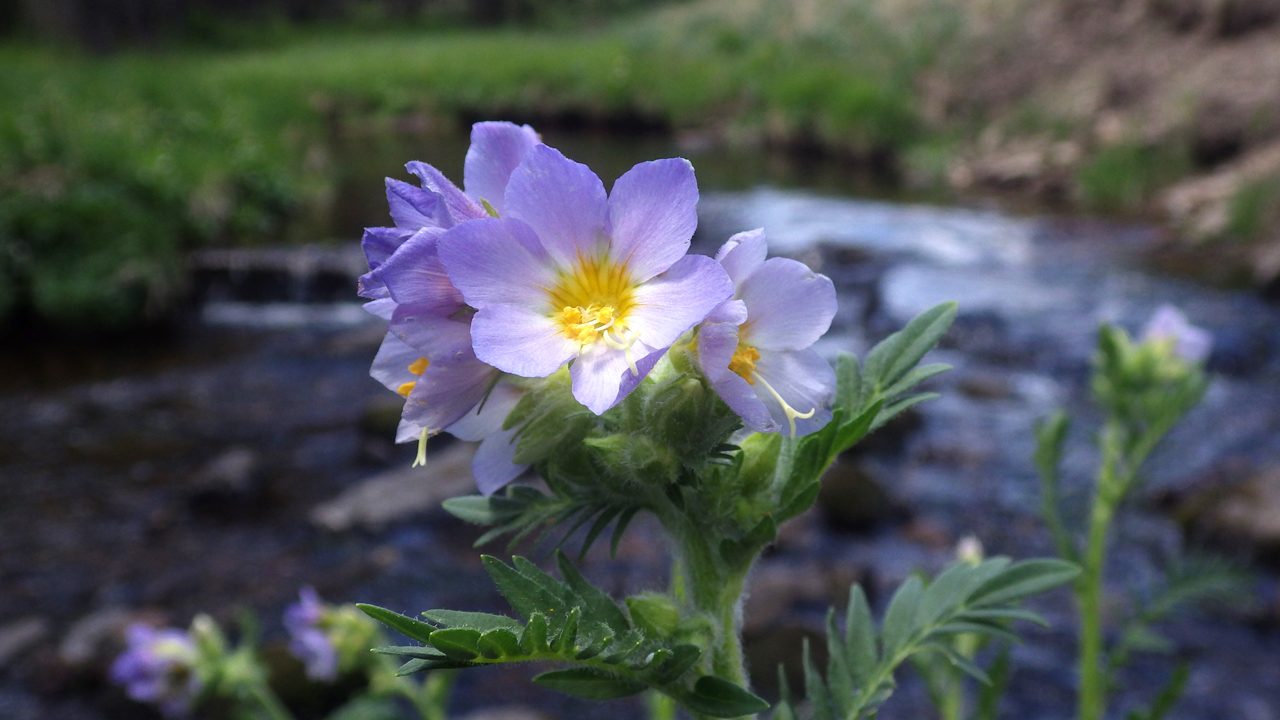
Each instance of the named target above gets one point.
<point>181,473</point>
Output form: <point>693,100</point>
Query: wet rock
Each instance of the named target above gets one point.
<point>782,646</point>
<point>18,636</point>
<point>853,500</point>
<point>986,386</point>
<point>94,639</point>
<point>400,494</point>
<point>232,485</point>
<point>1239,17</point>
<point>1245,515</point>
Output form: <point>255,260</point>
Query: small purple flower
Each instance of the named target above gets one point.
<point>1190,343</point>
<point>755,348</point>
<point>427,355</point>
<point>308,640</point>
<point>422,213</point>
<point>571,274</point>
<point>158,668</point>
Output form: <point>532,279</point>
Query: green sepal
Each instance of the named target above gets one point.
<point>654,613</point>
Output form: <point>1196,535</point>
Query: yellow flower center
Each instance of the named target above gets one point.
<point>743,362</point>
<point>591,303</point>
<point>417,367</point>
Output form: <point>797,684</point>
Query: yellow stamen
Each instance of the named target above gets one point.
<point>419,366</point>
<point>406,388</point>
<point>743,362</point>
<point>594,297</point>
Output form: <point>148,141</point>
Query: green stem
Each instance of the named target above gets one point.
<point>714,589</point>
<point>1092,699</point>
<point>270,703</point>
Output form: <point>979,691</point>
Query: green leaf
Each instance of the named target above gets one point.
<point>962,663</point>
<point>457,643</point>
<point>848,383</point>
<point>407,626</point>
<point>533,641</point>
<point>979,628</point>
<point>599,606</point>
<point>721,698</point>
<point>899,406</point>
<point>598,527</point>
<point>588,683</point>
<point>474,620</point>
<point>839,668</point>
<point>736,552</point>
<point>623,521</point>
<point>860,636</point>
<point>525,595</point>
<point>564,644</point>
<point>483,510</point>
<point>418,665</point>
<point>1003,614</point>
<point>500,643</point>
<point>894,357</point>
<point>1050,435</point>
<point>1022,580</point>
<point>947,591</point>
<point>682,658</point>
<point>784,709</point>
<point>423,652</point>
<point>989,695</point>
<point>856,429</point>
<point>815,689</point>
<point>913,378</point>
<point>624,647</point>
<point>899,619</point>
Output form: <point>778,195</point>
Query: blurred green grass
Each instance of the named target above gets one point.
<point>111,168</point>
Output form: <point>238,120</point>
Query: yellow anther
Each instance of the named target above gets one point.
<point>406,388</point>
<point>743,363</point>
<point>584,325</point>
<point>419,366</point>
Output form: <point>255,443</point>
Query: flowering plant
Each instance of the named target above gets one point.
<point>567,329</point>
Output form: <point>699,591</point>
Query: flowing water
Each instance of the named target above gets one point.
<point>180,473</point>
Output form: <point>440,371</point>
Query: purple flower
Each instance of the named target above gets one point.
<point>570,274</point>
<point>1190,343</point>
<point>158,667</point>
<point>754,349</point>
<point>308,640</point>
<point>422,213</point>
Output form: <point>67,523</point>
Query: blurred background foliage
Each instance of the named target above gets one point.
<point>132,131</point>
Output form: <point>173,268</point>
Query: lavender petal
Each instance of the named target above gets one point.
<point>563,201</point>
<point>520,341</point>
<point>496,150</point>
<point>742,254</point>
<point>671,303</point>
<point>653,213</point>
<point>790,305</point>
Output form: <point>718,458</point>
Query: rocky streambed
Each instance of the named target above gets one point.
<point>220,468</point>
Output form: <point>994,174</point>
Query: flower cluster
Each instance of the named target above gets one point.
<point>534,267</point>
<point>159,667</point>
<point>328,639</point>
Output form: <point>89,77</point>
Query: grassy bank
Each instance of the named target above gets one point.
<point>110,168</point>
